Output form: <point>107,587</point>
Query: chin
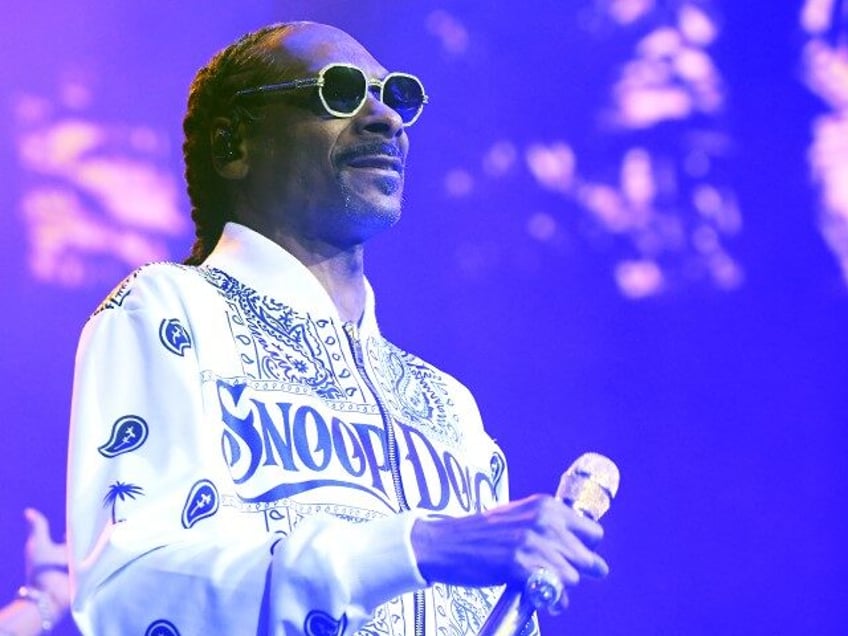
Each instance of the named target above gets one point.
<point>378,204</point>
<point>361,223</point>
<point>371,207</point>
<point>378,219</point>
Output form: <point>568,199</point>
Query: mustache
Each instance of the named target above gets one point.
<point>369,150</point>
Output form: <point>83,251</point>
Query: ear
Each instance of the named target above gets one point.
<point>229,152</point>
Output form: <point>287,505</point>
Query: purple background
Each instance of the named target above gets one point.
<point>724,408</point>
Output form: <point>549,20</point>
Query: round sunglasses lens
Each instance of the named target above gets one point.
<point>405,95</point>
<point>343,89</point>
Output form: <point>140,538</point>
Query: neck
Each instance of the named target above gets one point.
<point>340,272</point>
<point>337,266</point>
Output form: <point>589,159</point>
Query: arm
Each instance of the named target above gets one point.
<point>23,617</point>
<point>150,516</point>
<point>506,544</point>
<point>45,598</point>
<point>136,450</point>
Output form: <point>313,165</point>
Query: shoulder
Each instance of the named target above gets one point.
<point>154,283</point>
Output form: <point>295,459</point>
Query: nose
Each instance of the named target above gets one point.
<point>376,117</point>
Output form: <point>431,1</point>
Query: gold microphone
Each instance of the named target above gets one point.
<point>588,486</point>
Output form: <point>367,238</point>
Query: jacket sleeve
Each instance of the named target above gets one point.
<point>154,548</point>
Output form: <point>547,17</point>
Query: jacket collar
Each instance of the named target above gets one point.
<point>260,263</point>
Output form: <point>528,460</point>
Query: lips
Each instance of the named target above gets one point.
<point>373,156</point>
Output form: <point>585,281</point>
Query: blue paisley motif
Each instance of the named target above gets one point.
<point>497,465</point>
<point>128,434</point>
<point>174,337</point>
<point>294,352</point>
<point>162,628</point>
<point>322,624</point>
<point>421,389</point>
<point>202,502</point>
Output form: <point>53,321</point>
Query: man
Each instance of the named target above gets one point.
<point>248,454</point>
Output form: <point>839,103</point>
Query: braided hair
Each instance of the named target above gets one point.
<point>247,62</point>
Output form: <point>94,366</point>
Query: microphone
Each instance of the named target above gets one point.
<point>588,487</point>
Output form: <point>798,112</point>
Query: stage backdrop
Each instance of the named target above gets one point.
<point>626,230</point>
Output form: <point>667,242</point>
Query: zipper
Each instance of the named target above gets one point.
<point>391,440</point>
<point>419,612</point>
<point>391,450</point>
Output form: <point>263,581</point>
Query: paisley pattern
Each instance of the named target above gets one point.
<point>128,434</point>
<point>202,502</point>
<point>319,623</point>
<point>174,337</point>
<point>161,628</point>
<point>284,515</point>
<point>464,609</point>
<point>279,343</point>
<point>498,466</point>
<point>388,620</point>
<point>415,391</point>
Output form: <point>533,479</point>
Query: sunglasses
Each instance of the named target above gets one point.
<point>343,89</point>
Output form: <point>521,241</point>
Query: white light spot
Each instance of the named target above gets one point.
<point>705,239</point>
<point>725,272</point>
<point>449,30</point>
<point>637,179</point>
<point>458,183</point>
<point>827,72</point>
<point>99,205</point>
<point>694,65</point>
<point>75,95</point>
<point>132,193</point>
<point>628,11</point>
<point>643,108</point>
<point>815,15</point>
<point>500,159</point>
<point>607,206</point>
<point>552,165</point>
<point>30,109</point>
<point>697,27</point>
<point>707,200</point>
<point>661,43</point>
<point>639,279</point>
<point>146,140</point>
<point>56,149</point>
<point>542,226</point>
<point>67,240</point>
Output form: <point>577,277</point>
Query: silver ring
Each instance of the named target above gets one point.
<point>543,588</point>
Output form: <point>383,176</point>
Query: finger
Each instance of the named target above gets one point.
<point>561,605</point>
<point>39,528</point>
<point>599,569</point>
<point>567,573</point>
<point>587,562</point>
<point>589,531</point>
<point>571,548</point>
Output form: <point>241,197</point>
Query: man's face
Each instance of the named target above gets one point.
<point>319,177</point>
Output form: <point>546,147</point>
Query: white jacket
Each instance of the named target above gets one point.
<point>242,462</point>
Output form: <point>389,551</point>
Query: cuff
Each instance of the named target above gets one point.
<point>381,562</point>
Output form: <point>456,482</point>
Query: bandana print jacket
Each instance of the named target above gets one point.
<point>243,462</point>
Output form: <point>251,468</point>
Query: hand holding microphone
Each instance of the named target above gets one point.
<point>588,487</point>
<point>536,545</point>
